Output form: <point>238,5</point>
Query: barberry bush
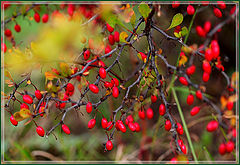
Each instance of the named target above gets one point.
<point>146,81</point>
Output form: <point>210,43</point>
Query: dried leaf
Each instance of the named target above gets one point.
<point>22,114</point>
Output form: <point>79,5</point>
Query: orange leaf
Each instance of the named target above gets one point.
<point>50,75</point>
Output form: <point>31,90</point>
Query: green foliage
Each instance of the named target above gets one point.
<point>144,10</point>
<point>177,20</point>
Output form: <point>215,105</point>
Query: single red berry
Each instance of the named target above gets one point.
<point>104,123</point>
<point>191,70</point>
<point>110,125</point>
<point>144,56</point>
<point>122,127</point>
<point>232,10</point>
<point>101,64</point>
<point>208,55</point>
<point>27,99</point>
<point>162,109</point>
<point>8,33</point>
<point>229,146</point>
<point>215,51</point>
<point>71,9</point>
<point>109,145</point>
<point>207,26</point>
<point>179,129</point>
<point>149,113</point>
<point>230,105</point>
<point>102,73</point>
<point>175,4</point>
<point>168,125</point>
<point>115,92</point>
<point>222,149</point>
<point>137,126</point>
<point>37,17</point>
<point>13,121</point>
<point>183,81</point>
<point>86,54</point>
<point>4,47</point>
<point>205,3</point>
<point>108,84</point>
<point>212,126</point>
<point>89,107</point>
<point>153,98</point>
<point>129,119</point>
<point>221,4</point>
<point>38,94</point>
<point>109,28</point>
<point>93,88</point>
<point>205,77</point>
<point>40,131</point>
<point>180,142</point>
<point>217,12</point>
<point>70,87</point>
<point>65,129</point>
<point>190,99</point>
<point>141,114</point>
<point>190,10</point>
<point>45,18</point>
<point>174,161</point>
<point>234,133</point>
<point>111,39</point>
<point>199,94</point>
<point>200,31</point>
<point>195,111</point>
<point>206,67</point>
<point>132,127</point>
<point>91,123</point>
<point>115,82</point>
<point>116,36</point>
<point>108,49</point>
<point>17,28</point>
<point>23,105</point>
<point>184,149</point>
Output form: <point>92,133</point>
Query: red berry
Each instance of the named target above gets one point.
<point>17,28</point>
<point>234,133</point>
<point>89,107</point>
<point>183,81</point>
<point>116,36</point>
<point>70,87</point>
<point>207,26</point>
<point>71,9</point>
<point>45,18</point>
<point>215,51</point>
<point>4,47</point>
<point>109,28</point>
<point>37,17</point>
<point>175,4</point>
<point>205,3</point>
<point>230,105</point>
<point>205,77</point>
<point>212,126</point>
<point>217,12</point>
<point>109,145</point>
<point>91,123</point>
<point>122,127</point>
<point>102,73</point>
<point>195,111</point>
<point>13,121</point>
<point>115,92</point>
<point>104,123</point>
<point>229,146</point>
<point>190,10</point>
<point>101,64</point>
<point>200,31</point>
<point>115,82</point>
<point>199,94</point>
<point>206,67</point>
<point>184,149</point>
<point>86,54</point>
<point>129,119</point>
<point>222,149</point>
<point>38,94</point>
<point>179,128</point>
<point>108,84</point>
<point>27,99</point>
<point>191,70</point>
<point>108,49</point>
<point>174,161</point>
<point>180,142</point>
<point>93,88</point>
<point>144,56</point>
<point>141,114</point>
<point>8,33</point>
<point>190,99</point>
<point>111,39</point>
<point>149,113</point>
<point>221,4</point>
<point>40,131</point>
<point>65,129</point>
<point>109,126</point>
<point>137,126</point>
<point>162,109</point>
<point>132,127</point>
<point>23,105</point>
<point>153,98</point>
<point>232,10</point>
<point>41,110</point>
<point>208,55</point>
<point>168,125</point>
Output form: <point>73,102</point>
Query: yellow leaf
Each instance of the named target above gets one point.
<point>29,82</point>
<point>183,60</point>
<point>22,114</point>
<point>223,101</point>
<point>50,75</point>
<point>233,98</point>
<point>123,36</point>
<point>108,92</point>
<point>7,74</point>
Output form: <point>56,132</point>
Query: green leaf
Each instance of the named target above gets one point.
<point>177,20</point>
<point>184,31</point>
<point>144,10</point>
<point>133,19</point>
<point>112,20</point>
